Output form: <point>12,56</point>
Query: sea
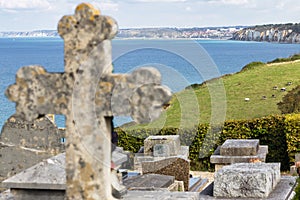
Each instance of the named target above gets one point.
<point>181,62</point>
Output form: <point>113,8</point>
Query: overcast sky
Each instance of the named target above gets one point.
<point>26,15</point>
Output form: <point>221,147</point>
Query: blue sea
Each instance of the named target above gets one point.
<point>181,62</point>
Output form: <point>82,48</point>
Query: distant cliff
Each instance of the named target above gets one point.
<point>282,33</point>
<point>224,32</point>
<point>38,33</point>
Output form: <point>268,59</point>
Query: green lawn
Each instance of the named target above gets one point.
<point>192,106</point>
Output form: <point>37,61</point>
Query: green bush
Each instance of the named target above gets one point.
<point>280,132</point>
<point>252,65</point>
<point>291,58</point>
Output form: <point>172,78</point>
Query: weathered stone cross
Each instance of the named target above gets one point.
<point>86,93</point>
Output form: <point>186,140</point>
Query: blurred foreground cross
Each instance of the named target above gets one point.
<point>86,93</point>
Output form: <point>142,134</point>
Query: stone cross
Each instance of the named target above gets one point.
<point>86,93</point>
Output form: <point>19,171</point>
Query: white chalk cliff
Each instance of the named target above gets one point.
<point>268,33</point>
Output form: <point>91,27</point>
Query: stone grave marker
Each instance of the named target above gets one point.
<point>172,166</point>
<point>239,151</point>
<point>45,180</point>
<point>240,147</point>
<point>149,182</point>
<point>173,141</point>
<point>86,93</point>
<point>159,147</point>
<point>24,144</point>
<point>246,180</point>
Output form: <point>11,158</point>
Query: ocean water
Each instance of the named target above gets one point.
<point>181,62</point>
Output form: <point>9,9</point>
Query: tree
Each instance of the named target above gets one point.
<point>290,102</point>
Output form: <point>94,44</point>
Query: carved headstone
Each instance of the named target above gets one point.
<point>86,93</point>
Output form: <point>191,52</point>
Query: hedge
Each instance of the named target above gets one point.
<point>280,132</point>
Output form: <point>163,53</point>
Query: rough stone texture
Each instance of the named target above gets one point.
<point>255,180</point>
<point>173,166</point>
<point>24,144</point>
<point>161,150</point>
<point>216,158</point>
<point>149,182</point>
<point>247,147</point>
<point>88,84</point>
<point>172,140</point>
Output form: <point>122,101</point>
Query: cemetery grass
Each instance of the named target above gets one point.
<point>253,82</point>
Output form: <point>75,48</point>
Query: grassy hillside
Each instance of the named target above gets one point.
<point>255,81</point>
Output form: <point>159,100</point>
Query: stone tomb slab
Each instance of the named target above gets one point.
<point>173,141</point>
<point>148,182</point>
<point>248,180</point>
<point>242,147</point>
<point>49,174</point>
<point>173,166</point>
<point>216,158</point>
<point>46,180</point>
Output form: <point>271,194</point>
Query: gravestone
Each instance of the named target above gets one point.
<point>24,144</point>
<point>149,182</point>
<point>172,166</point>
<point>240,148</point>
<point>46,180</point>
<point>172,141</point>
<point>239,151</point>
<point>159,147</point>
<point>246,180</point>
<point>86,93</point>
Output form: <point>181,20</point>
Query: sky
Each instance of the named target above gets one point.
<point>28,15</point>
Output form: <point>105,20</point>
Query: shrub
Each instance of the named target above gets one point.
<point>280,132</point>
<point>291,58</point>
<point>290,102</point>
<point>252,65</point>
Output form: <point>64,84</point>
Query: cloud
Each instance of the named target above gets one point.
<point>24,4</point>
<point>230,2</point>
<point>106,5</point>
<point>160,1</point>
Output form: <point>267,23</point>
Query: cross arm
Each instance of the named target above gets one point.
<point>138,94</point>
<point>37,92</point>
